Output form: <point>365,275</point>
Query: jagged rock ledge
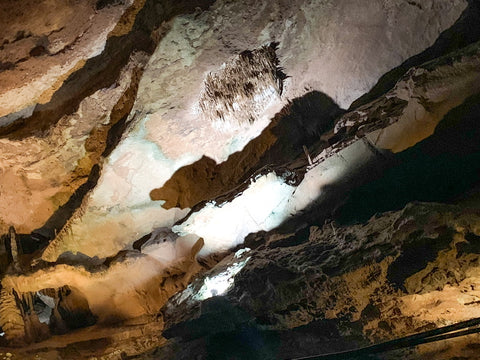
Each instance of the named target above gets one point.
<point>333,288</point>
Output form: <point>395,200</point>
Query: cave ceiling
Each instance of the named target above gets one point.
<point>169,164</point>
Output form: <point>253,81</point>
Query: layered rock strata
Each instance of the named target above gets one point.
<point>400,273</point>
<point>144,141</point>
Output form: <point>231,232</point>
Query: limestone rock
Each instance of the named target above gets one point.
<point>399,273</point>
<point>194,156</point>
<point>166,133</point>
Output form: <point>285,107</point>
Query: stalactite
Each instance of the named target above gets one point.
<point>14,249</point>
<point>11,318</point>
<point>239,92</point>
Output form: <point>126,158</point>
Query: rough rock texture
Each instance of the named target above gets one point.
<point>144,141</point>
<point>43,42</point>
<point>304,119</point>
<point>98,296</point>
<point>166,134</point>
<point>400,273</point>
<point>396,121</point>
<point>96,70</point>
<point>39,174</point>
<point>421,98</point>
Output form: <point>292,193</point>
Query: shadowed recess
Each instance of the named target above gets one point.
<point>440,168</point>
<point>299,123</point>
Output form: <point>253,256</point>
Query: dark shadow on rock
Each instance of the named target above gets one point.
<point>465,31</point>
<point>39,238</point>
<point>438,169</point>
<point>286,285</point>
<point>216,315</point>
<point>101,71</point>
<point>100,143</point>
<point>247,340</point>
<point>64,212</point>
<point>417,255</point>
<point>298,124</point>
<point>90,348</point>
<point>441,168</point>
<point>472,245</point>
<point>333,196</point>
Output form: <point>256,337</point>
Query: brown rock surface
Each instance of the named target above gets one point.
<point>400,273</point>
<point>167,131</point>
<point>144,144</point>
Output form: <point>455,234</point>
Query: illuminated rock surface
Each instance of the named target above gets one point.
<point>231,155</point>
<point>167,131</point>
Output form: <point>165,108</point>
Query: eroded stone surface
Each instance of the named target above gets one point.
<point>174,106</point>
<point>316,53</point>
<point>43,43</point>
<point>398,274</point>
<point>39,174</point>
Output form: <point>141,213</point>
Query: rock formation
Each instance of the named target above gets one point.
<point>238,180</point>
<point>400,273</point>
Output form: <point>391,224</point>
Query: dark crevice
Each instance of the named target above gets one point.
<point>21,34</point>
<point>415,257</point>
<point>114,135</point>
<point>416,4</point>
<point>105,3</point>
<point>64,212</point>
<point>229,338</point>
<point>38,51</point>
<point>137,245</point>
<point>465,31</point>
<point>39,238</point>
<point>7,65</point>
<point>471,246</point>
<point>438,169</point>
<point>300,237</point>
<point>99,72</point>
<point>441,168</point>
<point>115,132</point>
<point>335,196</point>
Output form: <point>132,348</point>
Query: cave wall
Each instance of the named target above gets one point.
<point>144,141</point>
<point>165,132</point>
